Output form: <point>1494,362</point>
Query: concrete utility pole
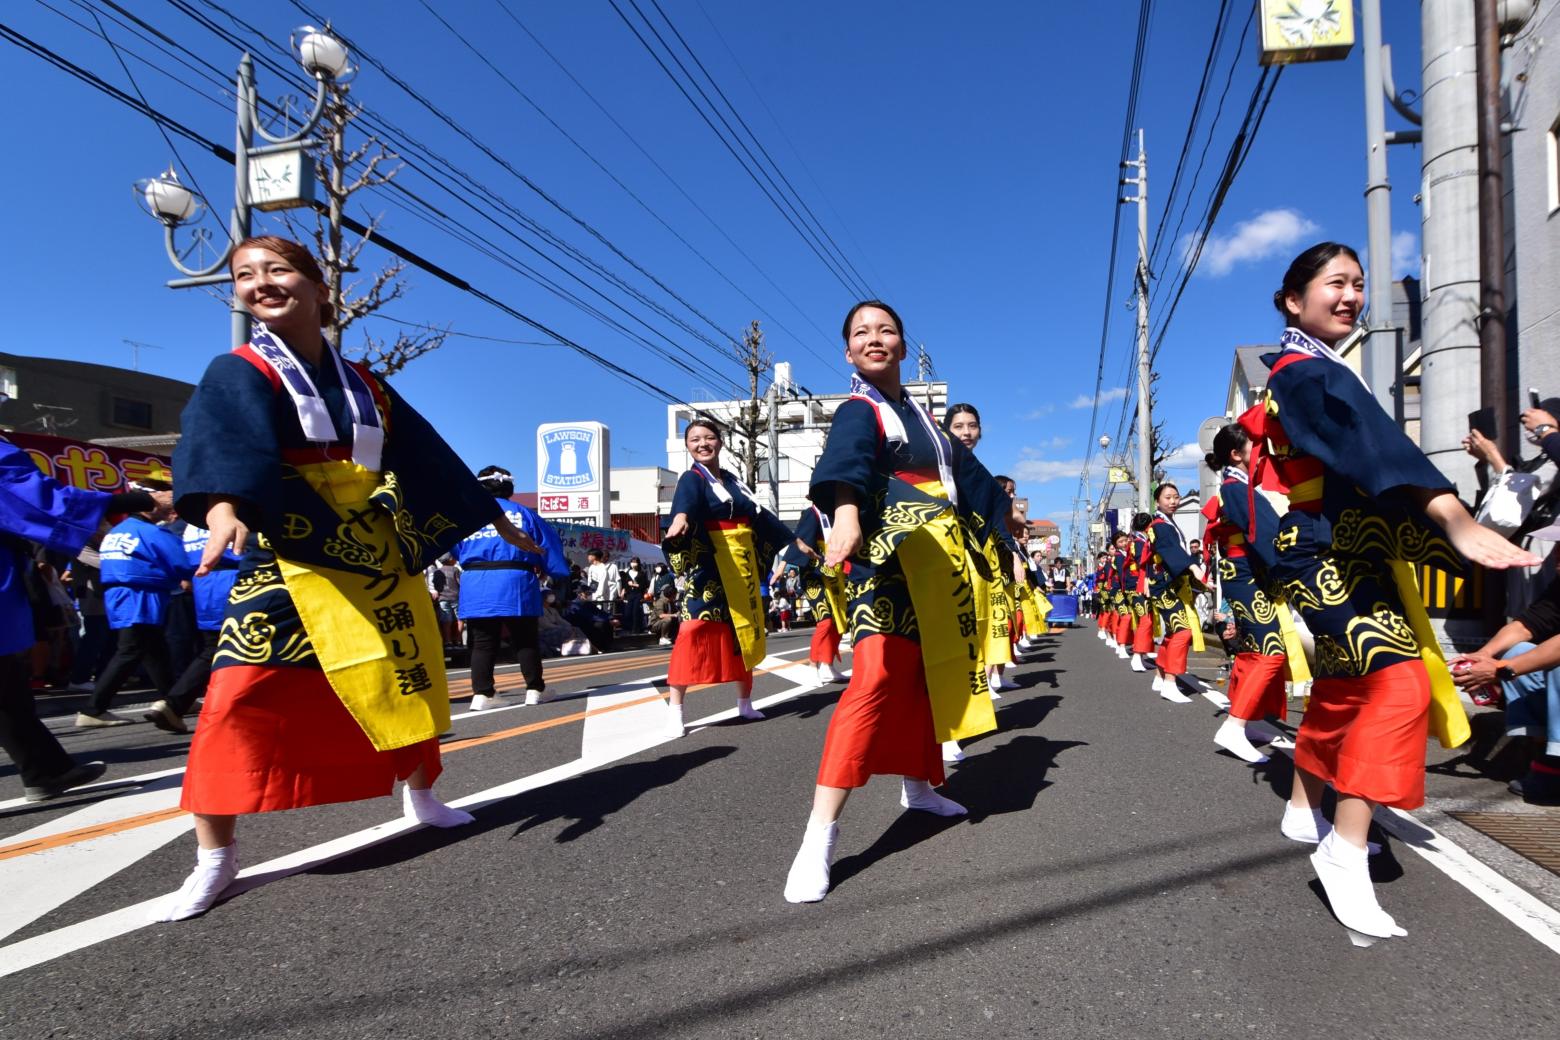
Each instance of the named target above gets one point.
<point>1449,386</point>
<point>1493,397</point>
<point>1145,459</point>
<point>774,444</point>
<point>1378,358</point>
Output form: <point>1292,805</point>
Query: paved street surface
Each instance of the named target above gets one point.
<point>1116,877</point>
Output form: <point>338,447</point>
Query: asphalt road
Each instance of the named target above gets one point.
<point>1116,877</point>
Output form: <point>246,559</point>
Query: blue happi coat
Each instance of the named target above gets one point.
<point>40,509</point>
<point>211,589</point>
<point>141,565</point>
<point>497,579</point>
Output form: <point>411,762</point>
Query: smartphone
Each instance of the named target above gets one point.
<point>1533,401</point>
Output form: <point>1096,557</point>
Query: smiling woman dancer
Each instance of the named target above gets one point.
<point>897,491</point>
<point>328,681</point>
<point>1365,505</point>
<point>723,542</point>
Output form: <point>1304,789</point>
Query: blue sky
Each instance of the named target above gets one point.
<point>962,156</point>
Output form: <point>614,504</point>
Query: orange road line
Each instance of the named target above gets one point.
<point>101,830</point>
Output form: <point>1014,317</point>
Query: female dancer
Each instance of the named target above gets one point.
<point>1364,503</point>
<point>1120,606</point>
<point>1140,555</point>
<point>897,490</point>
<point>1172,587</point>
<point>722,541</point>
<point>1256,684</point>
<point>328,681</point>
<point>826,593</point>
<point>962,423</point>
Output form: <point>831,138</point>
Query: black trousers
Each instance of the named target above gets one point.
<point>486,634</point>
<point>23,736</point>
<point>139,646</point>
<point>192,681</point>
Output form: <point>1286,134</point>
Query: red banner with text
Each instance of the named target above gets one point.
<point>94,466</point>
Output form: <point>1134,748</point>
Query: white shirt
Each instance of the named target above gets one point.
<point>603,578</point>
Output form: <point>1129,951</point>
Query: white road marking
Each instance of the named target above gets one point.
<point>627,731</point>
<point>1515,904</point>
<point>61,942</point>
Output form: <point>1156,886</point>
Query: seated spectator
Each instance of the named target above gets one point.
<point>1524,658</point>
<point>664,618</point>
<point>556,636</point>
<point>588,616</point>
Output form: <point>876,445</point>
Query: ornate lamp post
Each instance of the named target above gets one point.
<point>275,175</point>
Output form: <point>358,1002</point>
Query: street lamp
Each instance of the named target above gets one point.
<point>275,175</point>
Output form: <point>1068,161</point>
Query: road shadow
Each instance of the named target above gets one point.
<point>585,801</point>
<point>808,705</point>
<point>1488,755</point>
<point>1007,778</point>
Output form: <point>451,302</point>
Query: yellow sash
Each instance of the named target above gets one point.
<point>1187,597</point>
<point>736,559</point>
<point>1034,616</point>
<point>377,640</point>
<point>1448,719</point>
<point>997,648</point>
<point>939,575</point>
<point>1294,650</point>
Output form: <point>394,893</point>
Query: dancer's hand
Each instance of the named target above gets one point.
<point>845,536</point>
<point>1485,450</point>
<point>1477,544</point>
<point>810,552</point>
<point>227,532</point>
<point>678,527</point>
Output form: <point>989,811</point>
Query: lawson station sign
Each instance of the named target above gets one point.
<point>573,471</point>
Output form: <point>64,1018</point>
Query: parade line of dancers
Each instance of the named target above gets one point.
<point>327,681</point>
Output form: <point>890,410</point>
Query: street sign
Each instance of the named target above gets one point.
<point>1306,30</point>
<point>281,180</point>
<point>1118,475</point>
<point>573,471</point>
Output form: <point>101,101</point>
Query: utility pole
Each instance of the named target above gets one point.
<point>1492,228</point>
<point>774,444</point>
<point>1378,354</point>
<point>1449,380</point>
<point>1145,460</point>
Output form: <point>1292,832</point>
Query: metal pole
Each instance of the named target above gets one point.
<point>1376,350</point>
<point>774,444</point>
<point>239,223</point>
<point>1145,459</point>
<point>1492,230</point>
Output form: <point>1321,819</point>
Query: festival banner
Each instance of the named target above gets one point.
<point>96,467</point>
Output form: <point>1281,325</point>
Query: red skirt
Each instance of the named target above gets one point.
<point>280,738</point>
<point>1367,735</point>
<point>1257,686</point>
<point>1123,632</point>
<point>706,652</point>
<point>883,722</point>
<point>1172,652</point>
<point>825,643</point>
<point>1143,634</point>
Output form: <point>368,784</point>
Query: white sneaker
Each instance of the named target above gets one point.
<point>534,697</point>
<point>663,641</point>
<point>482,702</point>
<point>952,754</point>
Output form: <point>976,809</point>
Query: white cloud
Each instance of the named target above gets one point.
<point>1040,412</point>
<point>1041,471</point>
<point>1115,393</point>
<point>1265,234</point>
<point>1187,456</point>
<point>1405,255</point>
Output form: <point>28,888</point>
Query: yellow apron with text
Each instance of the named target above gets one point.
<point>1448,718</point>
<point>377,639</point>
<point>939,576</point>
<point>997,648</point>
<point>737,560</point>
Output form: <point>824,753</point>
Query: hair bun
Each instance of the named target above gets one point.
<point>1211,460</point>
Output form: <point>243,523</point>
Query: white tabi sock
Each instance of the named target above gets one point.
<point>1307,825</point>
<point>1137,663</point>
<point>951,752</point>
<point>1344,872</point>
<point>746,710</point>
<point>424,807</point>
<point>214,871</point>
<point>675,726</point>
<point>1231,736</point>
<point>918,794</point>
<point>1121,652</point>
<point>808,880</point>
<point>1170,690</point>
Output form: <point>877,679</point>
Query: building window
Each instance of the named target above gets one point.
<point>763,470</point>
<point>135,414</point>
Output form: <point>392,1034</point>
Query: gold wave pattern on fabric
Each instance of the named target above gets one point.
<point>252,640</point>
